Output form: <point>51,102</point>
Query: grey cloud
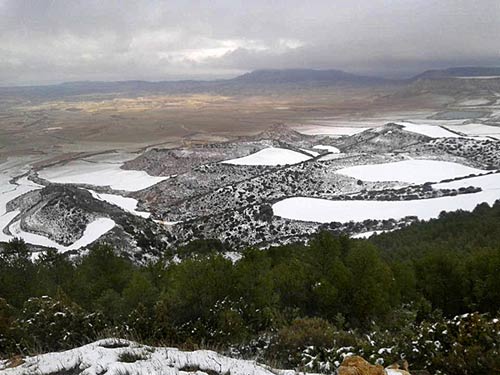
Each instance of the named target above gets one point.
<point>58,40</point>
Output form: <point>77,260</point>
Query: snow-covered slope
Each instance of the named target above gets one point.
<point>270,156</point>
<point>118,357</point>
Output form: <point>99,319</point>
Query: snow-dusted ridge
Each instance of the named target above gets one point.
<point>108,356</point>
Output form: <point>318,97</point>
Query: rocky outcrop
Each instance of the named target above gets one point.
<point>355,365</point>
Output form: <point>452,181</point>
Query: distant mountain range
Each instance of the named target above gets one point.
<point>259,80</point>
<point>274,76</point>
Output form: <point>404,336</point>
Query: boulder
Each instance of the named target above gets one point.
<point>355,365</point>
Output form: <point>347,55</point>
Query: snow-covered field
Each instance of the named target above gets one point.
<point>332,149</point>
<point>431,131</point>
<point>94,170</point>
<point>331,130</point>
<point>410,171</point>
<point>489,182</point>
<point>108,356</point>
<point>478,130</point>
<point>475,102</point>
<point>5,220</point>
<point>328,157</point>
<point>10,190</point>
<point>325,211</point>
<point>100,173</point>
<point>125,203</point>
<point>270,156</point>
<point>310,152</point>
<point>93,231</point>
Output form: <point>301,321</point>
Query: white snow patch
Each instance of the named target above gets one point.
<point>167,223</point>
<point>99,174</point>
<point>270,156</point>
<point>310,152</point>
<point>367,234</point>
<point>478,130</point>
<point>432,131</point>
<point>5,220</point>
<point>489,182</point>
<point>333,150</point>
<point>96,359</point>
<point>125,203</point>
<point>8,191</point>
<point>391,371</point>
<point>334,131</point>
<point>474,102</point>
<point>331,157</point>
<point>326,211</point>
<point>111,157</point>
<point>411,171</point>
<point>92,232</point>
<point>233,256</point>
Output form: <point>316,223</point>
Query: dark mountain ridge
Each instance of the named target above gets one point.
<point>256,81</point>
<point>306,75</point>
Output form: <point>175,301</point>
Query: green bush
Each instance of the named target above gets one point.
<point>49,324</point>
<point>301,334</point>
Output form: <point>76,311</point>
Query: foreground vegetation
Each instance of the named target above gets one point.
<point>398,294</point>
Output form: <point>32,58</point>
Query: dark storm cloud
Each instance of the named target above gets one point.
<point>60,40</point>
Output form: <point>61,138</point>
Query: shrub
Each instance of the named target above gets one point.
<point>50,324</point>
<point>301,334</point>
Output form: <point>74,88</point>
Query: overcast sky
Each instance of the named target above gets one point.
<point>48,41</point>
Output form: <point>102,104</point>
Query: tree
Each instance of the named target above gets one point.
<point>371,283</point>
